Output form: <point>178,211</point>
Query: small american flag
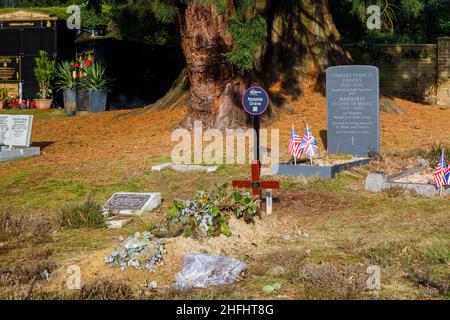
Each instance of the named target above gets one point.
<point>294,144</point>
<point>440,173</point>
<point>308,144</point>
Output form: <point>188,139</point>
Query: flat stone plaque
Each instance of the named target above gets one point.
<point>133,203</point>
<point>353,116</point>
<point>15,130</point>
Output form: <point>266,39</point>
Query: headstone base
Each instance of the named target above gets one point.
<point>19,153</point>
<point>328,172</point>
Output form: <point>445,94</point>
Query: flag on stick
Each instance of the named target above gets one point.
<point>440,173</point>
<point>308,144</point>
<point>294,144</point>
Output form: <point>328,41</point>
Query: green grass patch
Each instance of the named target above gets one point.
<point>51,114</point>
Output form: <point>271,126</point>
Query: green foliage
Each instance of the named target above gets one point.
<point>44,72</point>
<point>247,26</point>
<point>59,12</point>
<point>135,20</point>
<point>94,78</point>
<point>4,95</point>
<point>247,37</point>
<point>64,77</point>
<point>207,214</point>
<point>436,151</point>
<point>164,11</point>
<point>89,214</point>
<point>403,21</point>
<point>90,17</point>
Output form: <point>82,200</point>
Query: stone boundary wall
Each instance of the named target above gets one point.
<point>408,71</point>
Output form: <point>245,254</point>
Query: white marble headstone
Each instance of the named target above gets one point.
<point>15,130</point>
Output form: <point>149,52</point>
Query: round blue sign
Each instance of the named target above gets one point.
<point>255,100</point>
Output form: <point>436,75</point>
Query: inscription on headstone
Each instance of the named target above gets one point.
<point>133,202</point>
<point>353,110</point>
<point>15,130</point>
<point>127,201</point>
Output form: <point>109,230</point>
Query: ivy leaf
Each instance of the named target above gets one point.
<point>225,229</point>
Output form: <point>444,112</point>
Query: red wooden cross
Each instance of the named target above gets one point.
<point>256,184</point>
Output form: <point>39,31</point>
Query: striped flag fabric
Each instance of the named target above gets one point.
<point>294,144</point>
<point>440,179</point>
<point>308,144</point>
<point>447,175</point>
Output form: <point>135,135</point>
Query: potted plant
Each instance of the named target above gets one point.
<point>4,97</point>
<point>95,81</point>
<point>44,73</point>
<point>66,80</point>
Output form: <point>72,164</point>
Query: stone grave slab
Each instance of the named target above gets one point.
<point>133,203</point>
<point>353,116</point>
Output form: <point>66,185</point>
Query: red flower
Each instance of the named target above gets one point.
<point>76,65</point>
<point>88,63</point>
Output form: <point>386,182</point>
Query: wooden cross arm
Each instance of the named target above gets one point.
<point>256,184</point>
<point>270,185</point>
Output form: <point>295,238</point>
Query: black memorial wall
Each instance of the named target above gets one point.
<point>24,39</point>
<point>141,73</point>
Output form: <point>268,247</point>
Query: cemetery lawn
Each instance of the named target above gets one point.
<point>320,239</point>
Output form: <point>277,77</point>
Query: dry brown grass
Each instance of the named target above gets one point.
<point>25,230</point>
<point>104,289</point>
<point>323,280</point>
<point>21,278</point>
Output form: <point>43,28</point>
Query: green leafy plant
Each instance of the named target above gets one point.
<point>44,73</point>
<point>94,77</point>
<point>89,214</point>
<point>435,153</point>
<point>64,76</point>
<point>4,96</point>
<point>207,213</point>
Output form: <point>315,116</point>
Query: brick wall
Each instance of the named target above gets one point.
<point>409,71</point>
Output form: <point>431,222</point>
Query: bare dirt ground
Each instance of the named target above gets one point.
<point>347,227</point>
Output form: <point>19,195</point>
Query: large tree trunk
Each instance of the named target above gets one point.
<point>215,87</point>
<point>303,41</point>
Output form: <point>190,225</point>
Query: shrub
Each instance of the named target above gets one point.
<point>89,214</point>
<point>435,153</point>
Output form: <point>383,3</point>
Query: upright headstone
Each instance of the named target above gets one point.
<point>353,110</point>
<point>15,130</point>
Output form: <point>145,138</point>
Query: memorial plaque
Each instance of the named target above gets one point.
<point>133,202</point>
<point>9,68</point>
<point>353,117</point>
<point>15,130</point>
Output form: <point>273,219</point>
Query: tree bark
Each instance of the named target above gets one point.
<point>215,86</point>
<point>303,41</point>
